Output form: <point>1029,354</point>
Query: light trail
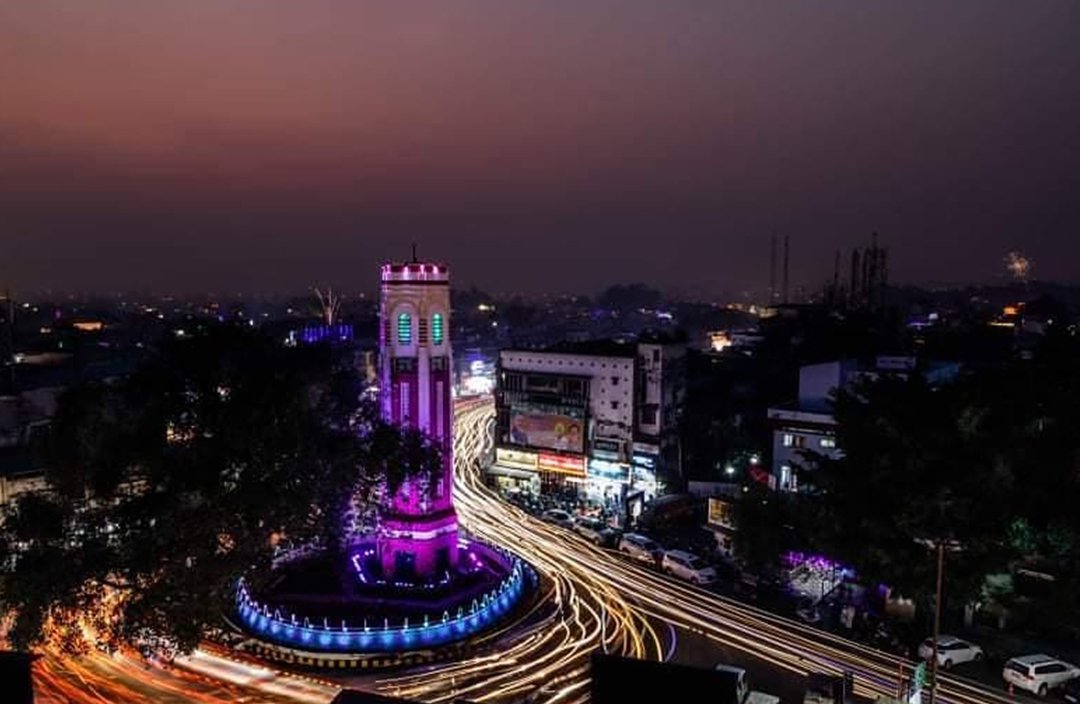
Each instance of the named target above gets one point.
<point>599,600</point>
<point>597,587</point>
<point>551,659</point>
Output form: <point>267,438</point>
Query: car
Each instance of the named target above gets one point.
<point>595,531</point>
<point>951,651</point>
<point>641,548</point>
<point>1039,673</point>
<point>687,566</point>
<point>558,516</point>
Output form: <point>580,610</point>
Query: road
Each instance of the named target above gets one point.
<point>609,585</point>
<point>205,677</point>
<point>601,601</point>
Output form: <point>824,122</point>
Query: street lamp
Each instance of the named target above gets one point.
<point>940,545</point>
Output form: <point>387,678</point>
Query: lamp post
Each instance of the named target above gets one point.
<point>937,621</point>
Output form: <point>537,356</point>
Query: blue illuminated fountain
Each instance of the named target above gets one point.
<point>417,583</point>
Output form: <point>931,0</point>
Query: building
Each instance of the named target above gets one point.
<point>601,416</point>
<point>809,424</point>
<point>418,526</point>
<point>661,395</point>
<point>24,425</point>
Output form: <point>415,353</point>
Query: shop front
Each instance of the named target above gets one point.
<point>515,471</point>
<point>606,482</point>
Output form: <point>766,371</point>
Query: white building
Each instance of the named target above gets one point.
<point>601,415</point>
<point>809,425</point>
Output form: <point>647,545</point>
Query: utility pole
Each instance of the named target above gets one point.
<point>937,621</point>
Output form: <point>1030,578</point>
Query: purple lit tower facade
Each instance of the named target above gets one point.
<point>418,537</point>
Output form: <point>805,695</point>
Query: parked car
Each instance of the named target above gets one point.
<point>595,531</point>
<point>558,516</point>
<point>1038,673</point>
<point>641,548</point>
<point>951,651</point>
<point>687,566</point>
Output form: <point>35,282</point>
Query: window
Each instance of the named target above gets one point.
<point>437,329</point>
<point>614,381</point>
<point>404,329</point>
<point>792,440</point>
<point>828,443</point>
<point>404,364</point>
<point>788,479</point>
<point>614,405</point>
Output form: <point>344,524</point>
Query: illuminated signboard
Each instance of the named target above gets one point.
<point>613,471</point>
<point>516,459</point>
<point>561,464</point>
<point>720,513</point>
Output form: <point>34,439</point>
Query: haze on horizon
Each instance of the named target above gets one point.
<point>535,145</point>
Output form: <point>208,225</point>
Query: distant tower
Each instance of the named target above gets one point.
<point>418,526</point>
<point>787,263</point>
<point>772,269</point>
<point>7,343</point>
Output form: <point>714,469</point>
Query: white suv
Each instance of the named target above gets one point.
<point>641,548</point>
<point>950,651</point>
<point>687,566</point>
<point>1038,673</point>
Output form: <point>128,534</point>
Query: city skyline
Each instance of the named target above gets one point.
<point>541,146</point>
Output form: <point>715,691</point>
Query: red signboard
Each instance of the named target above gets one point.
<point>562,464</point>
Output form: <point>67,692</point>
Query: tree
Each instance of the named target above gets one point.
<point>921,464</point>
<point>765,521</point>
<point>168,486</point>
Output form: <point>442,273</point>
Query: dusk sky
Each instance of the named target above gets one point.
<point>534,145</point>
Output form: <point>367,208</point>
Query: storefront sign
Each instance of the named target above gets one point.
<point>516,459</point>
<point>562,464</point>
<point>605,469</point>
<point>644,461</point>
<point>720,513</point>
<point>644,448</point>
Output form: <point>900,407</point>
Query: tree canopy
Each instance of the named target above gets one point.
<point>988,462</point>
<point>167,486</point>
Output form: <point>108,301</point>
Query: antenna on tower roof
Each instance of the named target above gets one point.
<point>415,260</point>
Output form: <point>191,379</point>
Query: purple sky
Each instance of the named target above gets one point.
<point>535,145</point>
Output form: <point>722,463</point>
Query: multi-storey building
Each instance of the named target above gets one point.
<point>599,415</point>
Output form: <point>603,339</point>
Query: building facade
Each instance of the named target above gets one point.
<point>599,416</point>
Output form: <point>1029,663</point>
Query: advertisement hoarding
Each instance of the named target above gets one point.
<point>721,513</point>
<point>552,431</point>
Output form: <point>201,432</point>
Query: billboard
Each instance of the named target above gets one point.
<point>721,513</point>
<point>553,431</point>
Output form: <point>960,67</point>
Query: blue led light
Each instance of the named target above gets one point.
<point>432,630</point>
